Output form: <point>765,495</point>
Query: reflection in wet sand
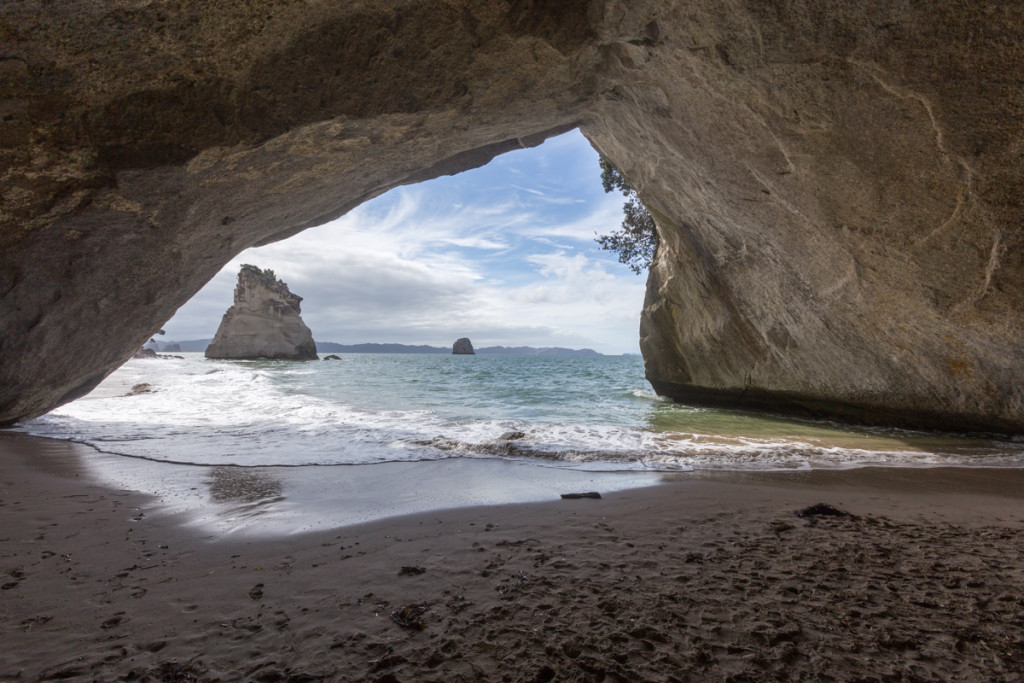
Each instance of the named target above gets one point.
<point>249,488</point>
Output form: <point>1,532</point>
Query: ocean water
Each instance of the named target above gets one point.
<point>578,413</point>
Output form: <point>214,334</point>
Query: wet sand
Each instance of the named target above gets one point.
<point>286,500</point>
<point>709,577</point>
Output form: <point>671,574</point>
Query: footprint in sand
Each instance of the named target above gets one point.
<point>113,621</point>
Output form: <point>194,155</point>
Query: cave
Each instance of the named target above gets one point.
<point>836,186</point>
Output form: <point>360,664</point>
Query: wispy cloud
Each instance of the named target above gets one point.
<point>472,255</point>
<point>599,216</point>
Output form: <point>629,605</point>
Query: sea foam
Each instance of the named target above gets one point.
<point>594,413</point>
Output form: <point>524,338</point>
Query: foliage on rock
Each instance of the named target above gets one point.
<point>265,275</point>
<point>637,240</point>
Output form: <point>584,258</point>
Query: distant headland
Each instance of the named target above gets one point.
<point>200,345</point>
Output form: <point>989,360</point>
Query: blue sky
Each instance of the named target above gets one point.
<point>502,254</point>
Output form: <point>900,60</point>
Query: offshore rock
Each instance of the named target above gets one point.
<point>463,347</point>
<point>264,322</point>
<point>836,185</point>
<point>141,388</point>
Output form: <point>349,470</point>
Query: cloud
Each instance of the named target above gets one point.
<point>470,255</point>
<point>603,215</point>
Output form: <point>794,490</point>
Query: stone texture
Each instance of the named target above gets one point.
<point>264,322</point>
<point>834,188</point>
<point>463,347</point>
<point>837,185</point>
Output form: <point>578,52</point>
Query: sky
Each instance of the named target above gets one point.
<point>503,254</point>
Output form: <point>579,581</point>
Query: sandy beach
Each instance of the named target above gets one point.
<point>708,577</point>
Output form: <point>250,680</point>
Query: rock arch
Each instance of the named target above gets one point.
<point>837,187</point>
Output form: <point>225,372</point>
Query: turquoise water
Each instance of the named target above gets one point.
<point>594,413</point>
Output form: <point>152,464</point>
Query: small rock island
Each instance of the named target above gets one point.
<point>463,347</point>
<point>264,322</point>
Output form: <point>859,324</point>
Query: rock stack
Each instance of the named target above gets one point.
<point>264,322</point>
<point>463,347</point>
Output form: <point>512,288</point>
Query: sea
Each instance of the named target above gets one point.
<point>572,412</point>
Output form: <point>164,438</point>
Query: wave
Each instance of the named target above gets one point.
<point>278,414</point>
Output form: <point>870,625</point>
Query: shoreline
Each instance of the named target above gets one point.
<point>709,576</point>
<point>286,500</point>
<point>283,500</point>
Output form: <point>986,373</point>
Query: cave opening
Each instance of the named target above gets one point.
<point>504,254</point>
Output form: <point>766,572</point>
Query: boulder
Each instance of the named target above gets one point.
<point>141,388</point>
<point>463,347</point>
<point>264,322</point>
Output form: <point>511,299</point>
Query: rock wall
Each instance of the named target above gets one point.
<point>836,184</point>
<point>834,189</point>
<point>264,322</point>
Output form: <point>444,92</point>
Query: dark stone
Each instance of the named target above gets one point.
<point>411,570</point>
<point>463,347</point>
<point>512,436</point>
<point>141,388</point>
<point>822,510</point>
<point>410,617</point>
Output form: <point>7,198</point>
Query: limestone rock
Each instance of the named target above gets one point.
<point>839,234</point>
<point>264,322</point>
<point>463,347</point>
<point>836,185</point>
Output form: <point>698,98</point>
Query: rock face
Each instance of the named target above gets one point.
<point>836,185</point>
<point>264,322</point>
<point>840,233</point>
<point>463,347</point>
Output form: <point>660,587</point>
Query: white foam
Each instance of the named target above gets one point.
<point>252,414</point>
